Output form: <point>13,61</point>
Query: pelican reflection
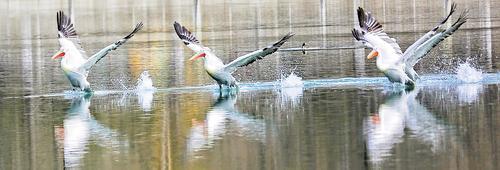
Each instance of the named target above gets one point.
<point>221,119</point>
<point>400,115</point>
<point>81,129</point>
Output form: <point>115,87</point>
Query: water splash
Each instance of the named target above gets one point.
<point>144,82</point>
<point>291,80</point>
<point>468,74</point>
<point>291,91</point>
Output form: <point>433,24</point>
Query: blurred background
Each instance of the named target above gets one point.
<point>443,126</point>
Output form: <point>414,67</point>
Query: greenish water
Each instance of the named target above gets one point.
<point>342,115</point>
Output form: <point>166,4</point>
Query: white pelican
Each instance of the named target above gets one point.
<point>74,61</point>
<point>214,66</point>
<point>396,65</point>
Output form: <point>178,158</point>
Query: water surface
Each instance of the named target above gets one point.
<point>342,115</point>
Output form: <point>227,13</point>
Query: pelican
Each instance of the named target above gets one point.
<point>74,62</point>
<point>214,66</point>
<point>396,65</point>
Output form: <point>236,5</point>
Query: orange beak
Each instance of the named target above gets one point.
<point>59,54</point>
<point>372,54</point>
<point>196,56</point>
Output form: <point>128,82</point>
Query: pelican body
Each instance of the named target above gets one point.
<point>396,65</point>
<point>74,62</point>
<point>220,72</point>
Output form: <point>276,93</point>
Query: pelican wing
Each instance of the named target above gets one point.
<point>99,55</point>
<point>188,38</point>
<point>429,34</point>
<point>256,55</point>
<point>66,30</point>
<point>427,46</point>
<point>372,34</point>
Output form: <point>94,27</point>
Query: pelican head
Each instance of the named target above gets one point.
<point>200,54</point>
<point>372,54</point>
<point>197,56</point>
<point>67,48</point>
<point>59,54</point>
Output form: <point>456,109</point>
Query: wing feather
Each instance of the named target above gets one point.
<point>67,30</point>
<point>99,55</point>
<point>188,38</point>
<point>256,55</point>
<point>428,45</point>
<point>428,35</point>
<point>370,27</point>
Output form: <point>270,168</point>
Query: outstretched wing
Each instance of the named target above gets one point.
<point>429,34</point>
<point>188,38</point>
<point>66,30</point>
<point>99,55</point>
<point>372,34</point>
<point>256,55</point>
<point>427,46</point>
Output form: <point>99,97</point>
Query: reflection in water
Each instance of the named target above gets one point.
<point>468,93</point>
<point>145,99</point>
<point>144,90</point>
<point>81,129</point>
<point>222,118</point>
<point>291,95</point>
<point>325,129</point>
<point>401,114</point>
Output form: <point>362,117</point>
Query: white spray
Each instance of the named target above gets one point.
<point>468,74</point>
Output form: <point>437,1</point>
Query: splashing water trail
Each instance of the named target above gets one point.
<point>468,74</point>
<point>291,81</point>
<point>144,82</point>
<point>292,88</point>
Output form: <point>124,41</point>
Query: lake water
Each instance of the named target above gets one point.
<point>337,111</point>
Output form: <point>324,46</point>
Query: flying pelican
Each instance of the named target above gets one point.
<point>214,66</point>
<point>74,61</point>
<point>396,65</point>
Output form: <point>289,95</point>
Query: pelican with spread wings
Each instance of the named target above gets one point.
<point>396,65</point>
<point>214,66</point>
<point>74,61</point>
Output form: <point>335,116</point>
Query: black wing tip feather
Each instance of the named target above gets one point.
<point>361,16</point>
<point>282,41</point>
<point>452,10</point>
<point>358,35</point>
<point>461,19</point>
<point>367,22</point>
<point>184,33</point>
<point>65,26</point>
<point>137,28</point>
